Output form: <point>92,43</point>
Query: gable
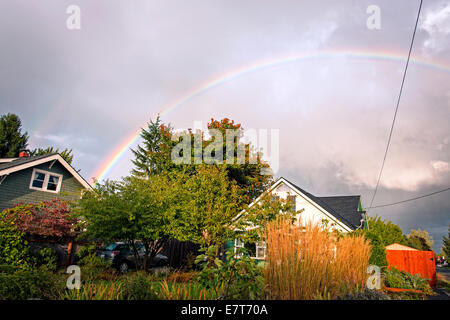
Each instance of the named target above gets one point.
<point>16,185</point>
<point>18,164</point>
<point>342,211</point>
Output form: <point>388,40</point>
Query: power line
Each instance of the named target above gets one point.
<point>407,200</point>
<point>396,108</point>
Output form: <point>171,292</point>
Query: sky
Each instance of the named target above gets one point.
<point>90,88</point>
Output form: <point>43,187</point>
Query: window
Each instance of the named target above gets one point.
<point>238,244</point>
<point>251,248</point>
<point>292,202</point>
<point>260,250</point>
<point>45,181</point>
<point>256,250</point>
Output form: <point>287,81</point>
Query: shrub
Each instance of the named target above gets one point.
<point>308,262</point>
<point>139,287</point>
<point>233,279</point>
<point>13,247</point>
<point>30,284</point>
<point>366,294</point>
<point>380,234</point>
<point>92,267</point>
<point>6,268</point>
<point>393,278</point>
<point>89,250</point>
<point>181,276</point>
<point>47,257</point>
<point>47,218</point>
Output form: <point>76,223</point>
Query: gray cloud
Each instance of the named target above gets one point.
<point>90,89</point>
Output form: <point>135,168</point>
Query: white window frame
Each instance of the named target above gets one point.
<point>259,245</point>
<point>46,178</point>
<point>238,244</point>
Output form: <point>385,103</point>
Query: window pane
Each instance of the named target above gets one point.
<point>292,202</point>
<point>52,183</point>
<point>251,247</point>
<point>260,252</point>
<point>38,180</point>
<point>39,176</point>
<point>51,186</point>
<point>38,184</point>
<point>53,179</point>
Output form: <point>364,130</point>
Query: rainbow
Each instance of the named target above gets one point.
<point>115,156</point>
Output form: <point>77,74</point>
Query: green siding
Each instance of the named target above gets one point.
<point>16,187</point>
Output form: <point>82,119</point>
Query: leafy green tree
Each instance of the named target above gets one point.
<point>12,141</point>
<point>420,240</point>
<point>66,154</point>
<point>255,218</point>
<point>446,245</point>
<point>208,202</point>
<point>380,234</point>
<point>133,209</point>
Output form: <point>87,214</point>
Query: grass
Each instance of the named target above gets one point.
<point>308,262</point>
<point>141,285</point>
<point>443,283</point>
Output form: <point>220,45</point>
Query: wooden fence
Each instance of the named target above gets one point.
<point>414,262</point>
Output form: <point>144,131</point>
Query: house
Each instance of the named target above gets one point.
<point>342,213</point>
<point>32,179</point>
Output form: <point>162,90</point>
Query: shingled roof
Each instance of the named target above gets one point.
<point>19,161</point>
<point>344,208</point>
<point>11,165</point>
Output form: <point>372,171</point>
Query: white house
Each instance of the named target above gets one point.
<point>342,213</point>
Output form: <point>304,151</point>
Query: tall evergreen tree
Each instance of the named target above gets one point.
<point>153,156</point>
<point>66,154</point>
<point>12,141</point>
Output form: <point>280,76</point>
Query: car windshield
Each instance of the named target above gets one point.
<point>111,247</point>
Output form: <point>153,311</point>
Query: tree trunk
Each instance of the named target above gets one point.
<point>135,254</point>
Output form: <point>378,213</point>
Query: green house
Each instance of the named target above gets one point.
<point>38,178</point>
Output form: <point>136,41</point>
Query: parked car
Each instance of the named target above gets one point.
<point>122,257</point>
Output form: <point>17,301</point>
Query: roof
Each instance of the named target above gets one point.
<point>18,161</point>
<point>346,206</point>
<point>397,246</point>
<point>17,164</point>
<point>343,208</point>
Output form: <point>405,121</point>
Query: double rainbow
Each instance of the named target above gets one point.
<point>102,172</point>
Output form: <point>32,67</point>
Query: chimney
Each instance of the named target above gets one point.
<point>23,154</point>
